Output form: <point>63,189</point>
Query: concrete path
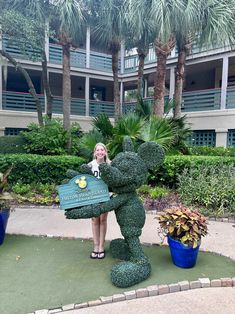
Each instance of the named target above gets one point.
<point>221,239</point>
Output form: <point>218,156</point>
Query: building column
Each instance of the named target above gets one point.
<point>0,71</point>
<point>88,47</point>
<point>121,95</point>
<point>221,137</point>
<point>224,82</point>
<point>145,88</point>
<point>47,52</point>
<point>122,57</point>
<point>172,83</point>
<point>87,95</point>
<point>47,47</point>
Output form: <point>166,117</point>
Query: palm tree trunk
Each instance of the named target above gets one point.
<point>116,93</point>
<point>32,90</point>
<point>159,84</point>
<point>142,55</point>
<point>66,86</point>
<point>46,85</point>
<point>179,81</point>
<point>163,50</point>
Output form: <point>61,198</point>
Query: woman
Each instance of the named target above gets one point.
<point>99,224</point>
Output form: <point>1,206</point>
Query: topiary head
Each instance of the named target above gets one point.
<point>129,170</point>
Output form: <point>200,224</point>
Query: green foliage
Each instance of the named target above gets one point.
<point>30,169</point>
<point>158,130</point>
<point>35,193</point>
<point>173,166</point>
<point>212,151</point>
<point>103,125</point>
<point>183,224</point>
<point>153,192</point>
<point>12,145</point>
<point>210,187</point>
<point>51,139</point>
<point>127,125</point>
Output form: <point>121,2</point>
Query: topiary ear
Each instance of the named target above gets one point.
<point>152,154</point>
<point>127,144</point>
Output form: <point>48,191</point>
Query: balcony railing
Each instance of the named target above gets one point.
<point>201,100</point>
<point>194,101</point>
<point>230,101</point>
<point>15,101</point>
<point>98,61</point>
<point>20,101</point>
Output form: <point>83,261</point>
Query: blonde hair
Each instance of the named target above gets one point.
<point>106,158</point>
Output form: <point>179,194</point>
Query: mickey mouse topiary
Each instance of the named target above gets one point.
<point>127,172</point>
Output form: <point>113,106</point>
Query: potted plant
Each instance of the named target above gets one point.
<point>184,228</point>
<point>5,200</point>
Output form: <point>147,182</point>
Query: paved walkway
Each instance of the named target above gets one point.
<point>221,239</point>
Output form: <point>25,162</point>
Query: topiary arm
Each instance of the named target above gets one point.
<point>96,210</point>
<point>85,169</point>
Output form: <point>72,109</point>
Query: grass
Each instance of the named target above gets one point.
<point>38,273</point>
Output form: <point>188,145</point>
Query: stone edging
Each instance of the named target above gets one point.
<point>154,290</point>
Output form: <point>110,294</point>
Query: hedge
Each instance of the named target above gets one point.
<point>174,165</point>
<point>38,169</point>
<point>212,151</point>
<point>12,145</point>
<point>51,169</point>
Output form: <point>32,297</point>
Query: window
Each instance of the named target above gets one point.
<point>13,131</point>
<point>231,138</point>
<point>203,138</point>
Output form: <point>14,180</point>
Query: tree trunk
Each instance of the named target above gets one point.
<point>66,86</point>
<point>116,92</point>
<point>163,50</point>
<point>32,90</point>
<point>179,81</point>
<point>46,84</point>
<point>142,55</point>
<point>159,85</point>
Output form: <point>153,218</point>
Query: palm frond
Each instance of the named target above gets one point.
<point>103,124</point>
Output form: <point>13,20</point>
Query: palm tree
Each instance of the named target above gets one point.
<point>33,35</point>
<point>140,35</point>
<point>206,23</point>
<point>108,25</point>
<point>70,16</point>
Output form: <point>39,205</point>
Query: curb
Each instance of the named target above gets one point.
<point>154,290</point>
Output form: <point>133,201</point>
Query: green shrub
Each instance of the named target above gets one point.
<point>153,192</point>
<point>173,166</point>
<point>212,151</point>
<point>30,169</point>
<point>52,138</point>
<point>12,145</point>
<point>211,187</point>
<point>36,193</point>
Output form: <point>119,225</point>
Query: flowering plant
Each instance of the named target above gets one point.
<point>183,224</point>
<point>5,197</point>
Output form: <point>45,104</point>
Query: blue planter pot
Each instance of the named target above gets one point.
<point>4,215</point>
<point>182,256</point>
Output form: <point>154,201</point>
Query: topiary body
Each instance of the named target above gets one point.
<point>127,172</point>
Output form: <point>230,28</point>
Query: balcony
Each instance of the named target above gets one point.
<point>98,61</point>
<point>15,101</point>
<point>196,101</point>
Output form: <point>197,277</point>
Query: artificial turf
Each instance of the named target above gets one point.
<point>46,273</point>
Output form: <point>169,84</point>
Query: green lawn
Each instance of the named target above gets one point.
<point>39,273</point>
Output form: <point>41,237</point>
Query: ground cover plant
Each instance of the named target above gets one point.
<point>66,275</point>
<point>212,189</point>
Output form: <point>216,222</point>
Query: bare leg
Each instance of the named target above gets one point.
<point>103,230</point>
<point>95,223</point>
